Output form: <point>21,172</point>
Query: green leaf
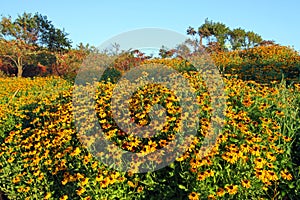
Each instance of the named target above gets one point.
<point>234,140</point>
<point>172,165</point>
<point>183,187</point>
<point>291,185</point>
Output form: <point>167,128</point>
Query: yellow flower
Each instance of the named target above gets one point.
<point>16,180</point>
<point>104,183</point>
<point>255,150</point>
<point>286,139</point>
<point>246,183</point>
<point>209,173</point>
<point>193,196</point>
<point>211,196</point>
<point>48,195</point>
<point>286,175</point>
<point>64,182</point>
<point>230,157</point>
<point>76,152</point>
<point>79,176</point>
<point>259,162</point>
<point>140,189</point>
<point>26,189</point>
<point>232,189</point>
<point>11,159</point>
<point>84,181</point>
<point>201,176</point>
<point>272,175</point>
<point>131,184</point>
<point>271,156</point>
<point>220,192</point>
<point>65,197</point>
<point>80,191</point>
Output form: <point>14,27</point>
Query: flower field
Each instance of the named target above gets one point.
<point>256,156</point>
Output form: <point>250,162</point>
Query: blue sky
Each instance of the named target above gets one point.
<point>96,21</point>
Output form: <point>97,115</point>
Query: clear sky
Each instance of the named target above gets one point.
<point>94,21</point>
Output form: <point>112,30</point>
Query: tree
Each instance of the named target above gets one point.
<point>31,40</point>
<point>220,31</point>
<point>17,53</point>
<point>218,35</point>
<point>49,36</point>
<point>237,38</point>
<point>252,39</point>
<point>204,31</point>
<point>216,29</point>
<point>35,29</point>
<point>23,28</point>
<point>1,28</point>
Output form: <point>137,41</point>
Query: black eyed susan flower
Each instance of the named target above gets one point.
<point>230,157</point>
<point>231,189</point>
<point>271,175</point>
<point>220,192</point>
<point>255,150</point>
<point>104,183</point>
<point>201,176</point>
<point>209,173</point>
<point>80,191</point>
<point>140,189</point>
<point>286,139</point>
<point>65,197</point>
<point>271,156</point>
<point>193,196</point>
<point>259,162</point>
<point>286,175</point>
<point>246,183</point>
<point>47,196</point>
<point>211,196</point>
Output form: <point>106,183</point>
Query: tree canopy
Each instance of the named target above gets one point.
<point>218,35</point>
<point>30,40</point>
<point>36,30</point>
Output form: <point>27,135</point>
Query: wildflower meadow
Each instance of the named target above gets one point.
<point>255,155</point>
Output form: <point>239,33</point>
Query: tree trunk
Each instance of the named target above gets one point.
<point>19,64</point>
<point>200,41</point>
<point>20,71</point>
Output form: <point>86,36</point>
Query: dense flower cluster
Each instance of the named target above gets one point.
<point>262,64</point>
<point>42,157</point>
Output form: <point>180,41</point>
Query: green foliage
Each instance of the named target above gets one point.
<point>35,29</point>
<point>111,74</point>
<point>53,38</point>
<point>217,32</point>
<point>263,64</point>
